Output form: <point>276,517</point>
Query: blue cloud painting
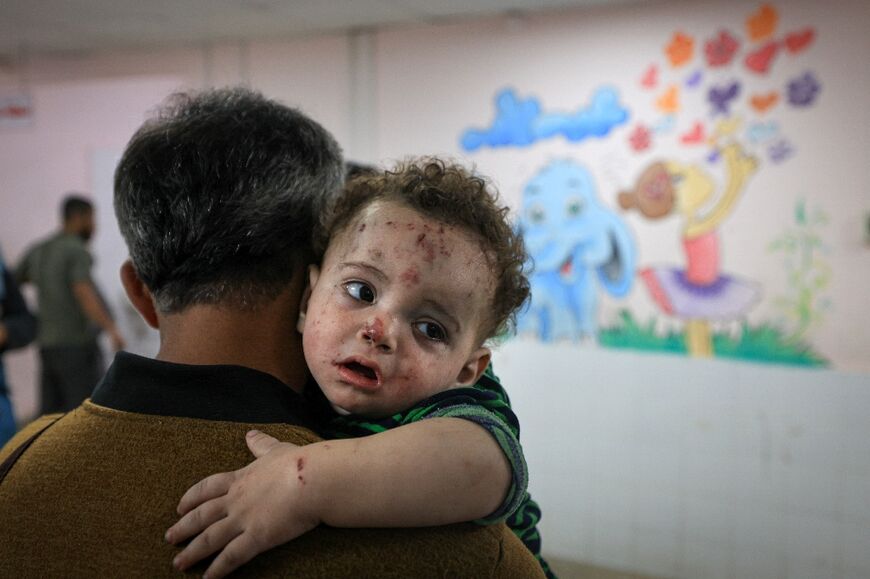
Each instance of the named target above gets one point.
<point>520,122</point>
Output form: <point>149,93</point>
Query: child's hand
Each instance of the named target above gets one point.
<point>246,512</point>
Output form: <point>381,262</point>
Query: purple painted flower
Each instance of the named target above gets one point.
<point>694,79</point>
<point>713,157</point>
<point>803,90</point>
<point>780,151</point>
<point>721,96</point>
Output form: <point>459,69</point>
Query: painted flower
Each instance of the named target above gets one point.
<point>639,138</point>
<point>803,90</point>
<point>721,49</point>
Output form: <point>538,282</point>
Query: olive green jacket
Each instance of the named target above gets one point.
<point>94,494</point>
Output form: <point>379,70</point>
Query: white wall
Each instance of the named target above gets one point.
<point>661,464</point>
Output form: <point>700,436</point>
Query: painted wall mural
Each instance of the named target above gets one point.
<point>579,248</point>
<point>698,292</point>
<point>703,120</point>
<point>521,122</point>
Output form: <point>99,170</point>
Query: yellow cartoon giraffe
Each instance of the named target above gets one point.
<point>699,293</point>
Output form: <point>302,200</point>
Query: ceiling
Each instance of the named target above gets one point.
<point>63,26</point>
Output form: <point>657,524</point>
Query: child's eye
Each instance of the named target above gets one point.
<point>360,291</point>
<point>432,331</point>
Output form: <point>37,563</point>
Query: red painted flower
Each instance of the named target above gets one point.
<point>720,50</point>
<point>639,139</point>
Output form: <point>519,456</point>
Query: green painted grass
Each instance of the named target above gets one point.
<point>764,343</point>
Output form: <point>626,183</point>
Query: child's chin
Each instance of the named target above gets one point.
<point>361,411</point>
<point>339,410</point>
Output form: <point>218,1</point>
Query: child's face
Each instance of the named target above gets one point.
<point>395,311</point>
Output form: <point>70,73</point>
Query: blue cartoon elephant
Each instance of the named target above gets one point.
<point>577,246</point>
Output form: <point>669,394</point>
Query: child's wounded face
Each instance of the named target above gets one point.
<point>396,311</point>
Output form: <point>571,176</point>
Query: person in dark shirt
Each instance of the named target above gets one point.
<point>17,329</point>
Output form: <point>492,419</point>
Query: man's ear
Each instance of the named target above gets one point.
<point>313,276</point>
<point>138,294</point>
<point>474,367</point>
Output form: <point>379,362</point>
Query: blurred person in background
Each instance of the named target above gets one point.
<point>70,310</point>
<point>17,329</point>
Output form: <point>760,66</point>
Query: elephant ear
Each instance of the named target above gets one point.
<point>617,275</point>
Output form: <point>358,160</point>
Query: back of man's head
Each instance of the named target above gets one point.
<point>217,195</point>
<point>73,205</point>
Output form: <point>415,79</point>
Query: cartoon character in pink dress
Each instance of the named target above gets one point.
<point>698,293</point>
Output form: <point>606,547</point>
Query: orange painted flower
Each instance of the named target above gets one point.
<point>762,24</point>
<point>762,102</point>
<point>669,102</point>
<point>680,49</point>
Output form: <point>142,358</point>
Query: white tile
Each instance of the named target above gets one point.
<point>709,520</point>
<point>855,448</point>
<point>612,501</point>
<point>711,429</point>
<point>813,492</point>
<point>663,429</point>
<point>567,534</point>
<point>760,561</point>
<point>759,525</point>
<point>811,401</point>
<point>614,462</point>
<point>663,413</point>
<point>754,434</point>
<point>759,481</point>
<point>710,476</point>
<point>707,560</point>
<point>855,573</point>
<point>613,544</point>
<point>856,547</point>
<point>657,553</point>
<point>856,496</point>
<point>794,434</point>
<point>811,444</point>
<point>614,420</point>
<point>855,395</point>
<point>811,550</point>
<point>809,568</point>
<point>658,508</point>
<point>659,467</point>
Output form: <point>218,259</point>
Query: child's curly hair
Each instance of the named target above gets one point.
<point>451,194</point>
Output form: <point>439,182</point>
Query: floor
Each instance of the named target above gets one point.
<point>565,569</point>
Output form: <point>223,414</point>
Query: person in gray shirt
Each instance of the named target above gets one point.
<point>71,311</point>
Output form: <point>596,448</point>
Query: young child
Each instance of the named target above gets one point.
<point>419,269</point>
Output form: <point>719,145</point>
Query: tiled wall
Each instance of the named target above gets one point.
<point>695,468</point>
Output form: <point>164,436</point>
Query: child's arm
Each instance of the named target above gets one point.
<point>432,472</point>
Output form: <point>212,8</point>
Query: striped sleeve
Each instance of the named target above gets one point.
<point>506,438</point>
<point>486,404</point>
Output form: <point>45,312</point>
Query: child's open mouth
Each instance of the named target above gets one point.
<point>360,374</point>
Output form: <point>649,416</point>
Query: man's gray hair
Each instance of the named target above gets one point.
<point>217,195</point>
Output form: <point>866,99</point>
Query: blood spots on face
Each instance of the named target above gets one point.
<point>374,330</point>
<point>427,246</point>
<point>410,276</point>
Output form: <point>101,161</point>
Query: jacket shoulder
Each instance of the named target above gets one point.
<point>25,433</point>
